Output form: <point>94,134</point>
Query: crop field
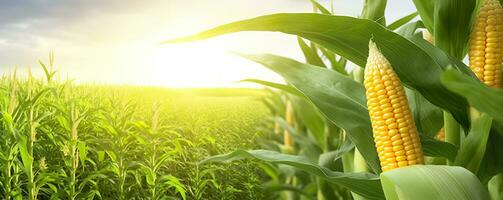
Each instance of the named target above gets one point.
<point>62,141</point>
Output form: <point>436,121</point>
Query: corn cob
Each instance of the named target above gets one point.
<point>277,128</point>
<point>290,119</point>
<point>486,44</point>
<point>394,130</point>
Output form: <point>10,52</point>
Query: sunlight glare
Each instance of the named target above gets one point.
<point>204,64</point>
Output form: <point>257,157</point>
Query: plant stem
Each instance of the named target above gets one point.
<point>348,157</point>
<point>359,166</point>
<point>452,130</point>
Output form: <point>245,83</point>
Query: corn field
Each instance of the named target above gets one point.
<point>410,109</point>
<point>62,141</point>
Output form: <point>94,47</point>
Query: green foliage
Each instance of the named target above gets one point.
<point>348,37</point>
<point>426,9</point>
<point>61,141</point>
<point>452,33</point>
<point>402,21</point>
<point>480,96</point>
<point>473,148</point>
<point>367,185</point>
<point>432,182</point>
<point>341,99</point>
<point>438,95</point>
<point>374,10</point>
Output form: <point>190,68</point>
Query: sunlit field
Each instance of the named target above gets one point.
<point>126,142</point>
<point>251,99</point>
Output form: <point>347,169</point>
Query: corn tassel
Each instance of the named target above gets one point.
<point>486,44</point>
<point>394,130</point>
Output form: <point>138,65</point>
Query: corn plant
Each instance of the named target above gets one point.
<point>392,104</point>
<point>65,141</point>
<point>159,150</point>
<point>10,179</point>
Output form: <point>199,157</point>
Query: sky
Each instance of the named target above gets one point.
<point>118,41</point>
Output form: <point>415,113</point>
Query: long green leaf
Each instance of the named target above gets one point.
<point>428,117</point>
<point>340,98</point>
<point>480,96</point>
<point>336,65</point>
<point>402,21</point>
<point>312,119</point>
<point>26,157</point>
<point>436,148</point>
<point>349,38</point>
<point>492,163</point>
<point>426,9</point>
<point>310,54</point>
<point>452,21</point>
<point>409,30</point>
<point>282,87</point>
<point>443,59</point>
<point>320,7</point>
<point>473,148</point>
<point>365,184</point>
<point>421,182</point>
<point>374,10</point>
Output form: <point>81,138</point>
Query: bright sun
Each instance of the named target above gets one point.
<point>204,64</point>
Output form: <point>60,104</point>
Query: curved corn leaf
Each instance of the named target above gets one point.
<point>310,54</point>
<point>409,30</point>
<point>364,184</point>
<point>338,65</point>
<point>473,148</point>
<point>452,23</point>
<point>337,96</point>
<point>312,119</point>
<point>436,148</point>
<point>285,88</point>
<point>480,96</point>
<point>428,117</point>
<point>426,9</point>
<point>348,37</point>
<point>402,21</point>
<point>492,164</point>
<point>374,10</point>
<point>329,158</point>
<point>443,59</point>
<point>420,182</point>
<point>320,7</point>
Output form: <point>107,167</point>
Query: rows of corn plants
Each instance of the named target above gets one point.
<point>383,110</point>
<point>63,141</point>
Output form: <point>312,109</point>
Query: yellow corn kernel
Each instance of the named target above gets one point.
<point>486,44</point>
<point>392,122</point>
